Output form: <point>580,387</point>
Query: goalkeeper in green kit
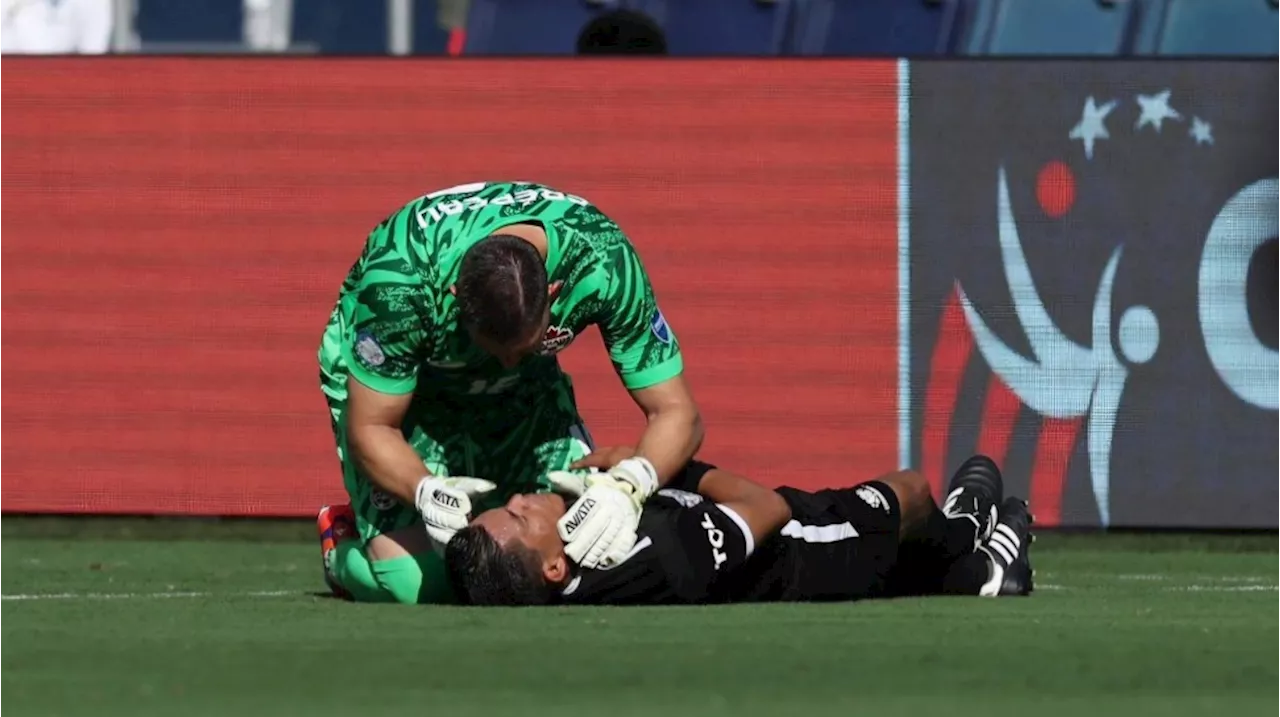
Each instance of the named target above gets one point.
<point>439,366</point>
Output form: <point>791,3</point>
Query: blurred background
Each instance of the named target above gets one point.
<point>674,27</point>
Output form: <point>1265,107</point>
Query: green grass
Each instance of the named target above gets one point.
<point>1133,625</point>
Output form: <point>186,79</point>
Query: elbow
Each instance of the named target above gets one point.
<point>697,431</point>
<point>360,443</point>
<point>778,509</point>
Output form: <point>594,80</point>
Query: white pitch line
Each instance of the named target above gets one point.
<point>144,596</point>
<point>1223,588</point>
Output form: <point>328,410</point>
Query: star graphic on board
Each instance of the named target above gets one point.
<point>1201,131</point>
<point>1155,110</point>
<point>1091,126</point>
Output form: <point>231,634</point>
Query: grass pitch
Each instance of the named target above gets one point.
<point>110,625</point>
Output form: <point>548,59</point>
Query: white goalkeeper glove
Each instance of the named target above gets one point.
<point>640,474</point>
<point>445,505</point>
<point>599,529</point>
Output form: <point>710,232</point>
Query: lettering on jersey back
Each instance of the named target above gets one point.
<point>438,211</point>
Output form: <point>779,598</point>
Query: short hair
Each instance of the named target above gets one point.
<point>502,288</point>
<point>482,573</point>
<point>622,32</point>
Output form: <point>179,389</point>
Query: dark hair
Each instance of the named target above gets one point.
<point>622,32</point>
<point>482,573</point>
<point>502,288</point>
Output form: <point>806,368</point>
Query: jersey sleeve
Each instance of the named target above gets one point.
<point>713,540</point>
<point>641,344</point>
<point>390,325</point>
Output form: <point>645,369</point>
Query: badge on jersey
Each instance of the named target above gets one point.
<point>658,325</point>
<point>555,340</point>
<point>382,500</point>
<point>369,350</point>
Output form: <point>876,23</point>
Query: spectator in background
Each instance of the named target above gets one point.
<point>55,27</point>
<point>622,32</point>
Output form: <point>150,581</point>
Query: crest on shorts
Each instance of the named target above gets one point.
<point>555,340</point>
<point>369,350</point>
<point>382,500</point>
<point>872,497</point>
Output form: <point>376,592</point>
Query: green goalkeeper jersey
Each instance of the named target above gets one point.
<point>395,327</point>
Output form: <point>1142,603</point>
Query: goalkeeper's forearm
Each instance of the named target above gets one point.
<point>670,439</point>
<point>387,459</point>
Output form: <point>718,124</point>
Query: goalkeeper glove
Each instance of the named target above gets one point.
<point>599,529</point>
<point>638,473</point>
<point>445,505</point>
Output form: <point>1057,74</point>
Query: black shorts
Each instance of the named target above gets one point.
<point>840,544</point>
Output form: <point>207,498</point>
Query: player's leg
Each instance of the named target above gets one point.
<point>334,523</point>
<point>390,558</point>
<point>937,537</point>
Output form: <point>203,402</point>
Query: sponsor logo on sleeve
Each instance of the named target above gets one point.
<point>658,325</point>
<point>369,350</point>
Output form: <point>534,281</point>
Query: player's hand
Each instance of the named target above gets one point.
<point>603,458</point>
<point>638,473</point>
<point>599,529</point>
<point>445,505</point>
<point>622,463</point>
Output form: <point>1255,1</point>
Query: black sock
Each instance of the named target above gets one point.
<point>967,575</point>
<point>950,538</point>
<point>925,560</point>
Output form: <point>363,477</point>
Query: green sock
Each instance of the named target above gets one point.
<point>413,579</point>
<point>354,572</point>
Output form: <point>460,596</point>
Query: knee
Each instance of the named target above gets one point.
<point>912,490</point>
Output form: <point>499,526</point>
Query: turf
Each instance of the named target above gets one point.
<point>1128,625</point>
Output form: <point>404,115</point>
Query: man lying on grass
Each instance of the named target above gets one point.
<point>716,537</point>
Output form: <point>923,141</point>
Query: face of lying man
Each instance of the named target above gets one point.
<point>529,520</point>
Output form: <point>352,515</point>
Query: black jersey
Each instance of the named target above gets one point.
<point>839,545</point>
<point>685,547</point>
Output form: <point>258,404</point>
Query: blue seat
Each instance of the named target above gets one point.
<point>1210,27</point>
<point>341,27</point>
<point>1056,27</point>
<point>871,27</point>
<point>190,21</point>
<point>526,27</point>
<point>718,27</point>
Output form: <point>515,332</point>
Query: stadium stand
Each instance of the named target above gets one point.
<point>520,27</point>
<point>707,27</point>
<point>622,32</point>
<point>1209,27</point>
<point>872,27</point>
<point>342,27</point>
<point>190,25</point>
<point>1051,27</point>
<point>720,27</point>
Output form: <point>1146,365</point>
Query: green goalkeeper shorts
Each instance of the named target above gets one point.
<point>513,448</point>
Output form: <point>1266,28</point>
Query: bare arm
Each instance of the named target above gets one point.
<point>673,432</point>
<point>764,511</point>
<point>376,442</point>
